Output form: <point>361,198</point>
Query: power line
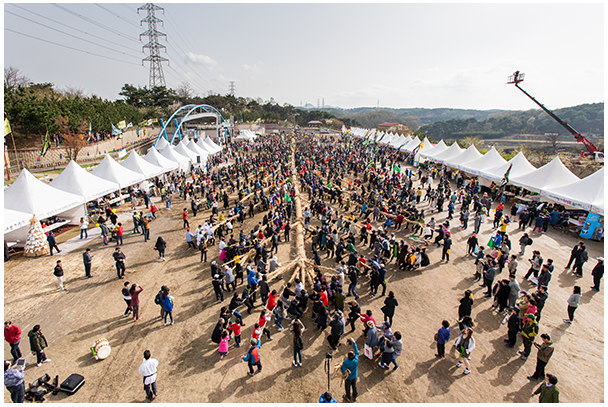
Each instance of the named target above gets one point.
<point>94,22</point>
<point>76,29</point>
<point>71,35</point>
<point>72,48</point>
<point>117,15</point>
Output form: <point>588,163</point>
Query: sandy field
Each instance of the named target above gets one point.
<point>190,369</point>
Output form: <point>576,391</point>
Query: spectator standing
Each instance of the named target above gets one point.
<point>465,345</point>
<point>120,260</point>
<point>598,273</point>
<point>58,272</point>
<point>573,302</point>
<point>12,334</point>
<point>351,364</point>
<point>548,391</point>
<point>13,381</point>
<point>442,336</point>
<point>87,258</point>
<point>545,351</point>
<point>149,370</point>
<point>37,345</point>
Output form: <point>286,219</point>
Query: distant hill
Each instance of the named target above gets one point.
<point>412,117</point>
<point>457,123</point>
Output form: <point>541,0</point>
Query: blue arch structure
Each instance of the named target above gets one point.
<point>191,108</point>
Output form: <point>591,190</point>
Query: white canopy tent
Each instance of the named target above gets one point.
<point>186,152</point>
<point>78,181</point>
<point>110,170</point>
<point>597,206</point>
<point>14,220</point>
<point>214,147</point>
<point>183,161</point>
<point>30,195</point>
<point>579,194</point>
<point>520,167</point>
<point>135,162</point>
<point>198,151</point>
<point>162,144</point>
<point>154,157</point>
<point>411,145</point>
<point>468,155</point>
<point>551,175</point>
<point>489,160</point>
<point>428,150</point>
<point>204,146</point>
<point>450,153</point>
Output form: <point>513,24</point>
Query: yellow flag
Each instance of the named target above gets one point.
<point>7,127</point>
<point>421,146</point>
<point>122,124</point>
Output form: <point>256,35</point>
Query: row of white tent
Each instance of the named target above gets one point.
<point>398,141</point>
<point>552,181</point>
<point>246,134</point>
<point>67,195</point>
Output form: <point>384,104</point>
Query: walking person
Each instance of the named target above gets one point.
<point>38,344</point>
<point>127,297</point>
<point>573,302</point>
<point>12,334</point>
<point>253,356</point>
<point>134,292</point>
<point>465,345</point>
<point>120,261</point>
<point>58,272</point>
<point>13,381</point>
<point>581,258</point>
<point>167,302</point>
<point>160,246</point>
<point>297,328</point>
<point>119,233</point>
<point>545,351</point>
<point>87,258</point>
<point>52,242</point>
<point>573,253</point>
<point>145,226</point>
<point>442,336</point>
<point>149,369</point>
<point>447,244</point>
<point>388,309</point>
<point>351,365</point>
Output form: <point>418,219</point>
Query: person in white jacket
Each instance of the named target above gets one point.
<point>465,345</point>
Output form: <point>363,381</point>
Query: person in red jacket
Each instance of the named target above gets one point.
<point>119,232</point>
<point>185,218</point>
<point>12,334</point>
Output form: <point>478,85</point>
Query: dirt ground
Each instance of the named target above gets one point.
<point>190,369</point>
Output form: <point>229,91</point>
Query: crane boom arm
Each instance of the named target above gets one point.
<point>578,136</point>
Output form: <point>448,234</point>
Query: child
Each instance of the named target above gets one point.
<point>236,330</point>
<point>442,336</point>
<point>223,349</point>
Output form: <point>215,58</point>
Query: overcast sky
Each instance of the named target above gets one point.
<point>350,55</point>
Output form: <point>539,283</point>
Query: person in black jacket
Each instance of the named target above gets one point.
<point>540,297</point>
<point>58,272</point>
<point>573,254</point>
<point>217,331</point>
<point>514,325</point>
<point>581,258</point>
<point>52,242</point>
<point>160,246</point>
<point>424,261</point>
<point>353,277</point>
<point>466,305</point>
<point>388,309</point>
<point>354,314</point>
<point>447,244</point>
<point>597,273</point>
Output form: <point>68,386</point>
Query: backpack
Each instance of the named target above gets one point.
<point>299,343</point>
<point>157,299</point>
<point>530,241</point>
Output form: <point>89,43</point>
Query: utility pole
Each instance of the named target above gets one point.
<point>232,88</point>
<point>157,78</point>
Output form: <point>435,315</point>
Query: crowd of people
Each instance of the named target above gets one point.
<point>363,210</point>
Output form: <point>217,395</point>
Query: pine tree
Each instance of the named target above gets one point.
<point>36,244</point>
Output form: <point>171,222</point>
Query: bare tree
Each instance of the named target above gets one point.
<point>184,92</point>
<point>552,139</point>
<point>73,136</point>
<point>14,78</point>
<point>73,91</point>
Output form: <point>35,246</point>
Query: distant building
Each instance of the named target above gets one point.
<point>314,123</point>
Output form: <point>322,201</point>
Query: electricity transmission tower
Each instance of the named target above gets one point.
<point>232,88</point>
<point>157,78</point>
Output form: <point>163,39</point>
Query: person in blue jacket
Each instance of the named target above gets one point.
<point>443,335</point>
<point>327,398</point>
<point>351,363</point>
<point>253,356</point>
<point>253,282</point>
